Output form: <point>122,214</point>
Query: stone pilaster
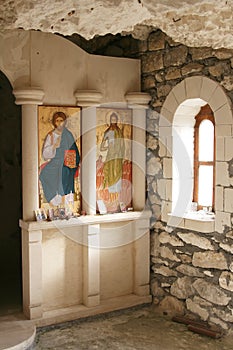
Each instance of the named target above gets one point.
<point>32,273</point>
<point>141,257</point>
<point>91,266</point>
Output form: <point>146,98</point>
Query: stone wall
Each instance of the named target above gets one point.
<point>165,63</point>
<point>191,272</point>
<point>108,45</point>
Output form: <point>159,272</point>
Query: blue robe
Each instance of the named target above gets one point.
<point>55,177</point>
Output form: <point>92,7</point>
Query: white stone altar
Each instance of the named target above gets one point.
<point>85,266</point>
<point>93,263</point>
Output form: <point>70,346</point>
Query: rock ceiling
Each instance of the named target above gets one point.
<point>191,22</point>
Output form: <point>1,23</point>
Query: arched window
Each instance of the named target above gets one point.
<point>204,158</point>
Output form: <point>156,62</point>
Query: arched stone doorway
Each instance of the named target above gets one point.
<point>10,194</point>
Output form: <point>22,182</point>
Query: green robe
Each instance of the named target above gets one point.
<point>115,155</point>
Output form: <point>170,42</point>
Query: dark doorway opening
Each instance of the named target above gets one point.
<point>10,196</point>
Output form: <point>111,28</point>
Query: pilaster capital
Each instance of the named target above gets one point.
<point>28,96</point>
<point>87,98</point>
<point>140,99</point>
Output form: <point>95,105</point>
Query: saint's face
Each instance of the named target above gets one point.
<point>114,120</point>
<point>59,123</point>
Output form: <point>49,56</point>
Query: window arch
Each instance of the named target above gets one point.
<point>204,158</point>
<point>195,88</point>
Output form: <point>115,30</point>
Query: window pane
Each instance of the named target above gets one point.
<point>206,141</point>
<point>205,185</point>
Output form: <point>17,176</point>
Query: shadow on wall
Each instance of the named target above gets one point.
<point>11,201</point>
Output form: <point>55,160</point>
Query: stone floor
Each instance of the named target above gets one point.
<point>140,328</point>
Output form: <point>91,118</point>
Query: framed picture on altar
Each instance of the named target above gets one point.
<point>40,215</point>
<point>59,154</point>
<point>114,158</point>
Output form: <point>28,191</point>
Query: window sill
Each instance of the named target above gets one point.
<point>195,221</point>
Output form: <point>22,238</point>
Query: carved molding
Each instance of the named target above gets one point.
<point>30,95</point>
<point>138,98</point>
<point>87,98</point>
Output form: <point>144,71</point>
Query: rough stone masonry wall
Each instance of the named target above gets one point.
<point>191,272</point>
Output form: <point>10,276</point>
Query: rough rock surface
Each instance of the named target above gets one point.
<point>194,23</point>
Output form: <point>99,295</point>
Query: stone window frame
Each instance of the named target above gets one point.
<point>206,89</point>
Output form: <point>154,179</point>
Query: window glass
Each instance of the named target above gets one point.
<point>206,141</point>
<point>205,185</point>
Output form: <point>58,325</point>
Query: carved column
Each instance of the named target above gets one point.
<point>88,100</point>
<point>138,101</point>
<point>29,98</point>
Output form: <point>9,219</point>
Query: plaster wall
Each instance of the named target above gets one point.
<point>59,68</point>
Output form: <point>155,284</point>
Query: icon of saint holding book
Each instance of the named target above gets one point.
<point>62,158</point>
